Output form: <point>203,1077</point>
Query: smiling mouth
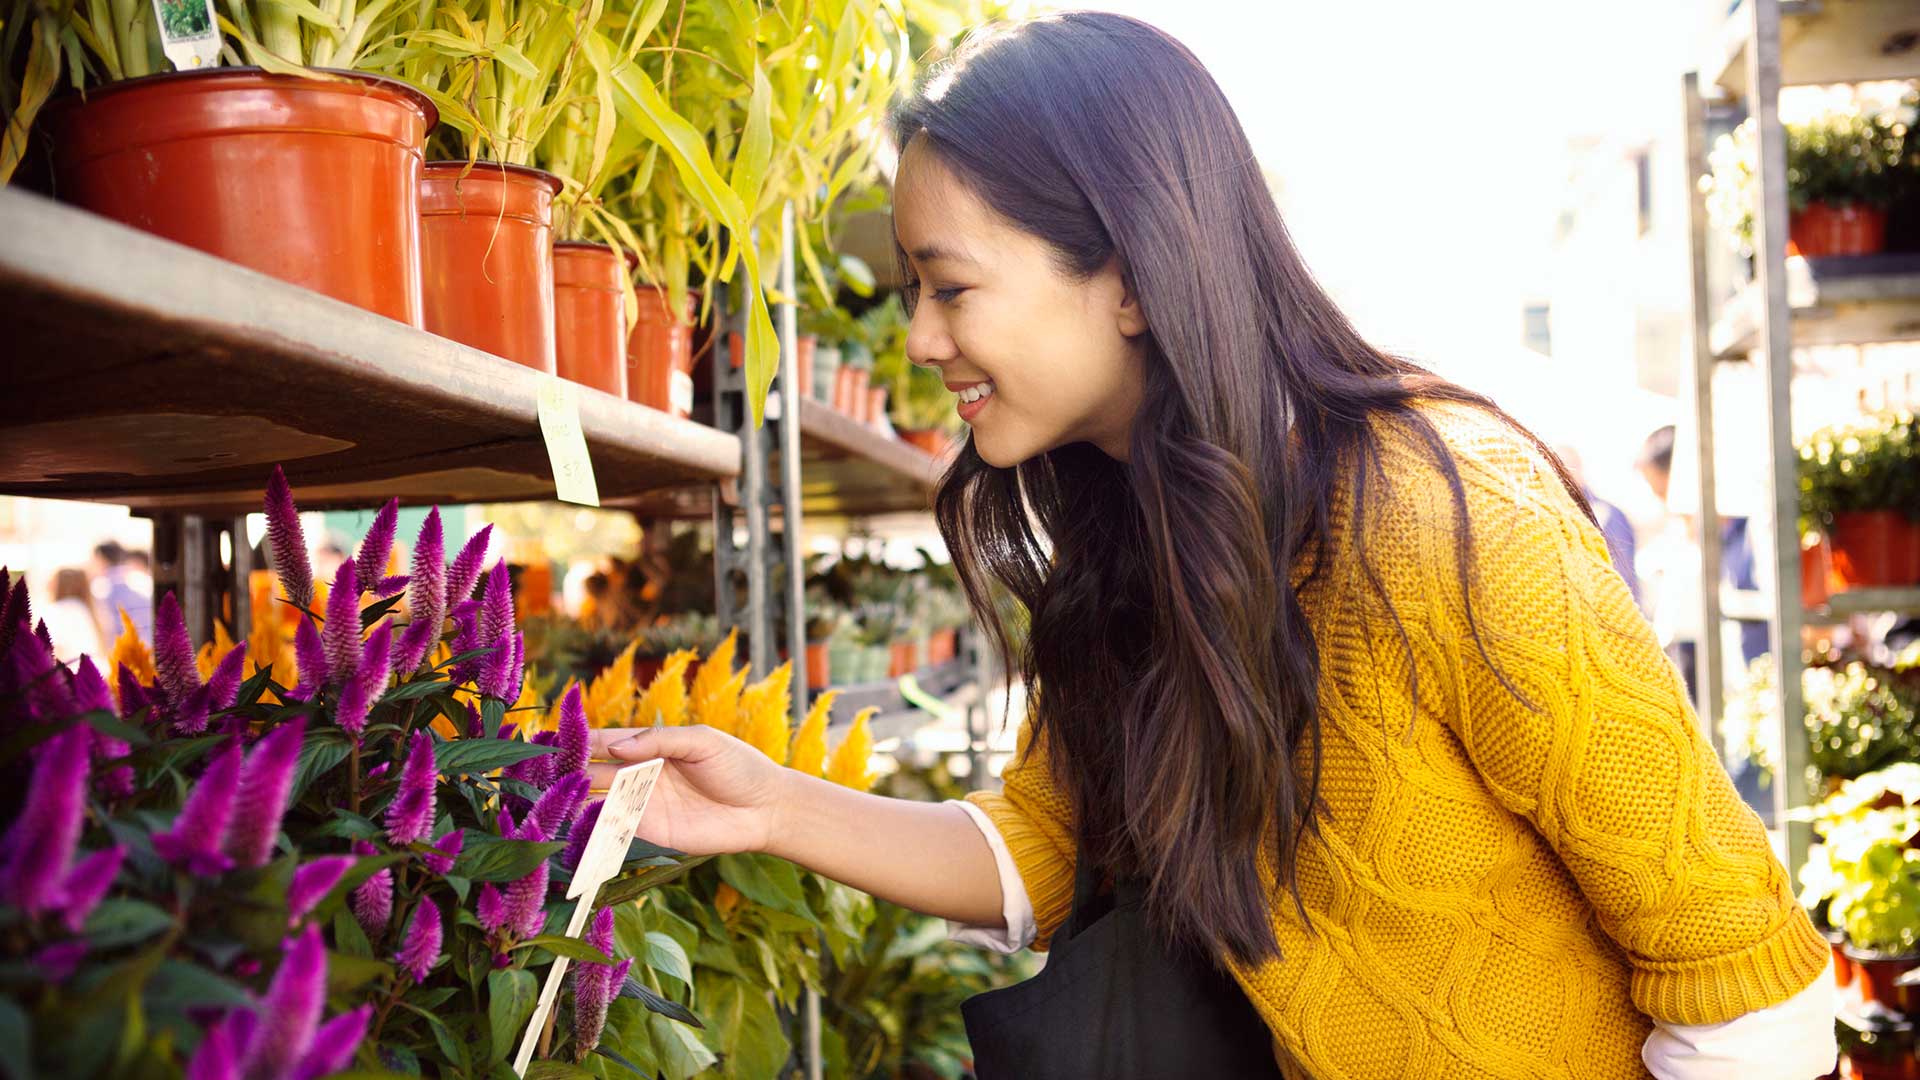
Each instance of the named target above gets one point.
<point>974,398</point>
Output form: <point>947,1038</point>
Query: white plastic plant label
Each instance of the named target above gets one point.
<point>566,444</point>
<point>188,33</point>
<point>606,849</point>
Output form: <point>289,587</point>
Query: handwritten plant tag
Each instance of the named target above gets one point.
<point>566,444</point>
<point>606,850</point>
<point>188,34</point>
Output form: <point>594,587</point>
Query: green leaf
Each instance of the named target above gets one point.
<point>347,825</point>
<point>667,957</point>
<point>121,921</point>
<point>255,686</point>
<point>634,988</point>
<point>106,723</point>
<point>486,857</point>
<point>474,756</point>
<point>750,163</point>
<point>348,935</point>
<point>16,1041</point>
<point>454,1049</point>
<point>555,1070</point>
<point>180,985</point>
<point>415,690</point>
<point>492,712</point>
<point>320,753</point>
<point>767,880</point>
<point>348,973</point>
<point>510,999</point>
<point>679,1050</point>
<point>571,948</point>
<point>379,609</point>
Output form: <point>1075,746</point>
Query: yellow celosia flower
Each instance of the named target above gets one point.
<point>851,763</point>
<point>761,717</point>
<point>128,649</point>
<point>666,697</point>
<point>810,743</point>
<point>715,673</point>
<point>609,698</point>
<point>214,651</point>
<point>720,710</point>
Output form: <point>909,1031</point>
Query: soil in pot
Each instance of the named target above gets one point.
<point>486,238</point>
<point>660,354</point>
<point>590,315</point>
<point>309,181</point>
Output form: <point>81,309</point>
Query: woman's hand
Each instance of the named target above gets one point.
<point>716,795</point>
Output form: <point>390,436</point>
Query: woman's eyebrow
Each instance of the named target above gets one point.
<point>936,253</point>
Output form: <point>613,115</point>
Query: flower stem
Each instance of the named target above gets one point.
<point>353,777</point>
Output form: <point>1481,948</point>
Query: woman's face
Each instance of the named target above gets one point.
<point>1059,360</point>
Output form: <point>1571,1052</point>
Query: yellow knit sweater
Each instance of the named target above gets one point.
<point>1496,891</point>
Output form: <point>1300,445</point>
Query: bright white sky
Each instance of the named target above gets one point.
<point>1419,147</point>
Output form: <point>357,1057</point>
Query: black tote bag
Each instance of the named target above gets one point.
<point>1113,1002</point>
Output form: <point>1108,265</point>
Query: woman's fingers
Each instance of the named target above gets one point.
<point>600,775</point>
<point>666,742</point>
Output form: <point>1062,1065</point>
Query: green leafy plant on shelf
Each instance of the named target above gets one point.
<point>917,396</point>
<point>1858,718</point>
<point>1869,464</point>
<point>1865,870</point>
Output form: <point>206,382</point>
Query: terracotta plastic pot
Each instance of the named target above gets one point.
<point>590,315</point>
<point>486,239</point>
<point>1843,969</point>
<point>826,373</point>
<point>1822,229</point>
<point>858,401</point>
<point>900,661</point>
<point>312,182</point>
<point>876,405</point>
<point>946,645</point>
<point>819,664</point>
<point>1816,562</point>
<point>660,354</point>
<point>1871,548</point>
<point>1877,974</point>
<point>932,440</point>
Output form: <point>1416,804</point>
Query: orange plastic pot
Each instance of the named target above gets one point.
<point>313,182</point>
<point>660,355</point>
<point>876,405</point>
<point>590,315</point>
<point>486,240</point>
<point>858,403</point>
<point>1816,562</point>
<point>819,666</point>
<point>932,440</point>
<point>900,659</point>
<point>1871,548</point>
<point>1823,229</point>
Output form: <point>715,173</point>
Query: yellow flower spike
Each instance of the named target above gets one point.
<point>128,649</point>
<point>213,651</point>
<point>761,717</point>
<point>810,743</point>
<point>721,710</point>
<point>666,696</point>
<point>726,899</point>
<point>609,698</point>
<point>534,720</point>
<point>714,675</point>
<point>851,763</point>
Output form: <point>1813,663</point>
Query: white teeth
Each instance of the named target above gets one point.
<point>974,393</point>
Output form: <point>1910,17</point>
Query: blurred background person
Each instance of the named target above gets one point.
<point>71,618</point>
<point>119,584</point>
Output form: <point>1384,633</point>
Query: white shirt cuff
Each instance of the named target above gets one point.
<point>1789,1041</point>
<point>1018,930</point>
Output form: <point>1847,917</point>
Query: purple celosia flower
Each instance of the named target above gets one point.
<point>466,566</point>
<point>190,715</point>
<point>371,564</point>
<point>372,900</point>
<point>445,851</point>
<point>526,903</point>
<point>413,645</point>
<point>392,585</point>
<point>40,845</point>
<point>11,597</point>
<point>466,639</point>
<point>90,693</point>
<point>290,1013</point>
<point>219,1055</point>
<point>577,836</point>
<point>198,835</point>
<point>309,661</point>
<point>538,771</point>
<point>426,596</point>
<point>49,688</point>
<point>491,907</point>
<point>88,884</point>
<point>420,948</point>
<point>410,814</point>
<point>340,637</point>
<point>266,780</point>
<point>45,635</point>
<point>223,689</point>
<point>476,727</point>
<point>369,680</point>
<point>133,696</point>
<point>593,986</point>
<point>58,961</point>
<point>496,631</point>
<point>516,669</point>
<point>379,770</point>
<point>556,807</point>
<point>503,823</point>
<point>173,659</point>
<point>334,1044</point>
<point>287,541</point>
<point>312,882</point>
<point>574,735</point>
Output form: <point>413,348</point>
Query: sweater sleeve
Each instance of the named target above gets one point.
<point>1604,755</point>
<point>1035,819</point>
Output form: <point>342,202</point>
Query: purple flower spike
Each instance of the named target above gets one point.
<point>415,642</point>
<point>378,546</point>
<point>290,1013</point>
<point>421,948</point>
<point>133,696</point>
<point>223,689</point>
<point>309,661</point>
<point>58,961</point>
<point>577,838</point>
<point>340,637</point>
<point>445,851</point>
<point>287,541</point>
<point>173,658</point>
<point>491,907</point>
<point>466,567</point>
<point>427,583</point>
<point>372,902</point>
<point>88,883</point>
<point>8,619</point>
<point>391,586</point>
<point>556,807</point>
<point>496,605</point>
<point>312,882</point>
<point>90,693</point>
<point>593,987</point>
<point>410,814</point>
<point>45,635</point>
<point>40,845</point>
<point>219,1055</point>
<point>574,735</point>
<point>49,687</point>
<point>265,782</point>
<point>197,836</point>
<point>190,715</point>
<point>369,681</point>
<point>526,903</point>
<point>334,1044</point>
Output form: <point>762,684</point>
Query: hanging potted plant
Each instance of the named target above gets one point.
<point>1839,182</point>
<point>1861,483</point>
<point>1867,873</point>
<point>304,165</point>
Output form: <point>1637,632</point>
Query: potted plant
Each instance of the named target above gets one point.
<point>1842,173</point>
<point>304,166</point>
<point>1860,483</point>
<point>1867,873</point>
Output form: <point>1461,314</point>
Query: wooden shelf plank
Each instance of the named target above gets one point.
<point>1824,41</point>
<point>1839,606</point>
<point>1843,300</point>
<point>146,373</point>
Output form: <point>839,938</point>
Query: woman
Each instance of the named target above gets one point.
<point>1331,675</point>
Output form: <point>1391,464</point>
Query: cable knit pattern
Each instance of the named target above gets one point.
<point>1501,888</point>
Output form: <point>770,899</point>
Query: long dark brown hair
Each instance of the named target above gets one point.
<point>1173,673</point>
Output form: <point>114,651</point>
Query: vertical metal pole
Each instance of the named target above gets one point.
<point>726,417</point>
<point>1710,668</point>
<point>239,580</point>
<point>1770,229</point>
<point>789,435</point>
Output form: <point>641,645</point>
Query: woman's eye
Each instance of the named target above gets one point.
<point>948,295</point>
